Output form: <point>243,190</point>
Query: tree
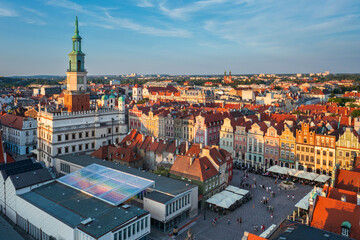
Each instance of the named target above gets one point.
<point>355,113</point>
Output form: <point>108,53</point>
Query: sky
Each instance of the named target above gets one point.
<point>181,36</point>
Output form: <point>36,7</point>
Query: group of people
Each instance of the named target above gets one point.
<point>256,227</point>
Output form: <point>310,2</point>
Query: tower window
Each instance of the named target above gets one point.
<point>79,66</point>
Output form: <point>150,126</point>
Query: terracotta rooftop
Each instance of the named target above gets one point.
<point>12,121</point>
<point>330,213</point>
<point>200,168</point>
<point>348,180</point>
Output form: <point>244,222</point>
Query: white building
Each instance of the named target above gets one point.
<point>64,209</point>
<point>137,93</point>
<point>170,202</point>
<point>74,132</point>
<point>248,95</point>
<point>19,133</point>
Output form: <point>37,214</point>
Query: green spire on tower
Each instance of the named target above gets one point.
<point>76,57</point>
<point>76,36</point>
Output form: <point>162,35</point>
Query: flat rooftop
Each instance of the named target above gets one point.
<point>162,184</point>
<point>107,184</point>
<point>72,207</point>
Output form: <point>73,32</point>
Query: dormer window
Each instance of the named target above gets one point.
<point>345,228</point>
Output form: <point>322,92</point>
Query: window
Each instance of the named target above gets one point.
<point>330,154</point>
<point>59,151</point>
<point>73,148</point>
<point>66,149</point>
<point>64,167</point>
<point>80,135</point>
<point>340,153</point>
<point>142,224</point>
<point>93,145</point>
<point>80,147</point>
<point>59,138</point>
<point>347,154</point>
<point>93,133</point>
<point>86,134</point>
<point>146,222</point>
<point>86,146</point>
<point>345,232</point>
<point>66,137</point>
<point>73,135</point>
<point>109,130</point>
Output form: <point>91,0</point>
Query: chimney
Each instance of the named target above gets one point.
<point>152,139</point>
<point>186,146</point>
<point>201,146</point>
<point>350,120</point>
<point>343,198</point>
<point>358,198</point>
<point>191,160</point>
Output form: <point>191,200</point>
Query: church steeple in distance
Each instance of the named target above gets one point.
<point>76,74</point>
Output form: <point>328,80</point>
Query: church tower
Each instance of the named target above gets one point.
<point>76,74</point>
<point>76,97</point>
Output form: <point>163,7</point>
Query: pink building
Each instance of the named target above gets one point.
<point>272,144</point>
<point>240,138</point>
<point>207,128</point>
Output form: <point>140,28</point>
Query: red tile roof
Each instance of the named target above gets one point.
<point>12,121</point>
<point>330,213</point>
<point>348,180</point>
<point>200,169</point>
<point>337,193</point>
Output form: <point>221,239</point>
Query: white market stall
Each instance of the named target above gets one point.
<point>322,178</point>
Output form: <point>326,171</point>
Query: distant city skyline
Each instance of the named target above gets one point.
<point>202,37</point>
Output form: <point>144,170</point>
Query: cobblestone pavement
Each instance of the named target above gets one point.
<point>252,212</point>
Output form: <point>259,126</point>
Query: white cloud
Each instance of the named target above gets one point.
<point>36,12</point>
<point>108,21</point>
<point>145,3</point>
<point>5,12</point>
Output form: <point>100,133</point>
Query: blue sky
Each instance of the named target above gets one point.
<point>181,36</point>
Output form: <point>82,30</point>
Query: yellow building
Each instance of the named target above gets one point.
<point>287,148</point>
<point>305,147</point>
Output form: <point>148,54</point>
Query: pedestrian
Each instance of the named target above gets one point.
<point>288,196</point>
<point>240,220</point>
<point>272,217</point>
<point>293,197</point>
<point>237,220</point>
<point>228,221</point>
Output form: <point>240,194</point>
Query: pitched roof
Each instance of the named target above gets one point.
<point>330,213</point>
<point>12,121</point>
<point>337,193</point>
<point>347,180</point>
<point>200,168</point>
<point>30,178</point>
